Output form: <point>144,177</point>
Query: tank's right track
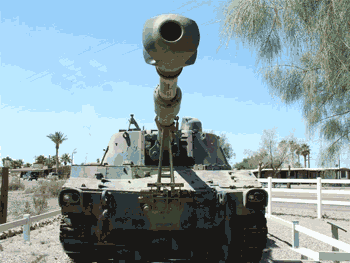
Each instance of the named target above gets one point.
<point>254,238</point>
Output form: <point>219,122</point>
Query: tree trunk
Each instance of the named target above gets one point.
<point>305,161</point>
<point>309,159</point>
<point>288,184</point>
<point>259,173</point>
<point>56,158</point>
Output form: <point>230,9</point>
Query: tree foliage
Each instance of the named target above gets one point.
<point>6,158</point>
<point>272,154</point>
<point>15,164</point>
<point>66,158</point>
<point>225,146</point>
<point>57,138</point>
<point>315,37</point>
<point>41,159</point>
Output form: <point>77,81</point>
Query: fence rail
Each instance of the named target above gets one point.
<point>26,223</point>
<point>318,191</point>
<point>317,256</point>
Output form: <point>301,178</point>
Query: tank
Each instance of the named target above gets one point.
<point>168,193</point>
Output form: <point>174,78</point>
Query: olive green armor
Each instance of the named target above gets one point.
<point>167,193</point>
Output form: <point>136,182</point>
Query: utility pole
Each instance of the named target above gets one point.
<point>73,155</point>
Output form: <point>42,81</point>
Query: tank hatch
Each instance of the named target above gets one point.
<point>189,123</point>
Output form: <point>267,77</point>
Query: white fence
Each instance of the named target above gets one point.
<point>26,223</point>
<point>334,242</point>
<point>318,191</point>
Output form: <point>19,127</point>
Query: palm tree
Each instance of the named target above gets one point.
<point>293,148</point>
<point>28,165</point>
<point>58,138</point>
<point>305,151</point>
<point>298,151</point>
<point>66,159</point>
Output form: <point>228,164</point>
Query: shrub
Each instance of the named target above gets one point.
<point>15,183</point>
<point>47,188</point>
<point>40,204</point>
<point>28,209</point>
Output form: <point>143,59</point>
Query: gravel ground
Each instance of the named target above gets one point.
<point>280,236</point>
<point>45,246</point>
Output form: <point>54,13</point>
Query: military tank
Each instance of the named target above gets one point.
<point>167,193</point>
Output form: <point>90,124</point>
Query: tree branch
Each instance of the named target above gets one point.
<point>273,25</point>
<point>335,115</point>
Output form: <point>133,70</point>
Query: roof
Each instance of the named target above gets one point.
<point>304,169</point>
<point>27,169</point>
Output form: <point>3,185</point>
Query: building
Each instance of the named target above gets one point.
<point>307,173</point>
<point>40,168</point>
<point>43,170</point>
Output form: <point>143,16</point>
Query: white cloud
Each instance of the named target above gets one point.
<point>95,64</point>
<point>66,62</point>
<point>103,68</point>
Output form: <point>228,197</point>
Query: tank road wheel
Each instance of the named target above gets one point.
<point>77,257</point>
<point>254,239</point>
<point>68,232</point>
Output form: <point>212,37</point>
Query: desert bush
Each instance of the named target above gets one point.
<point>37,207</point>
<point>40,204</point>
<point>47,188</point>
<point>15,184</point>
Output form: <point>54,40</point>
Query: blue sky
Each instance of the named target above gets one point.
<point>77,67</point>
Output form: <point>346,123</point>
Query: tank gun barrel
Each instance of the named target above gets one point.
<point>170,43</point>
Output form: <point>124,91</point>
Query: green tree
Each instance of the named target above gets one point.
<point>28,165</point>
<point>66,159</point>
<point>305,151</point>
<point>54,160</point>
<point>245,164</point>
<point>6,158</point>
<point>273,154</point>
<point>315,73</point>
<point>225,146</point>
<point>58,138</point>
<point>15,164</point>
<point>49,161</point>
<point>257,160</point>
<point>41,159</point>
<point>98,160</point>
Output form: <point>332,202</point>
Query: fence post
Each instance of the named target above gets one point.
<point>295,235</point>
<point>335,235</point>
<point>269,190</point>
<point>26,229</point>
<point>4,194</point>
<point>319,198</point>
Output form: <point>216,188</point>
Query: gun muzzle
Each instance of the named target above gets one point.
<point>170,43</point>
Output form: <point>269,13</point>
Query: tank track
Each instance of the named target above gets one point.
<point>253,240</point>
<point>249,237</point>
